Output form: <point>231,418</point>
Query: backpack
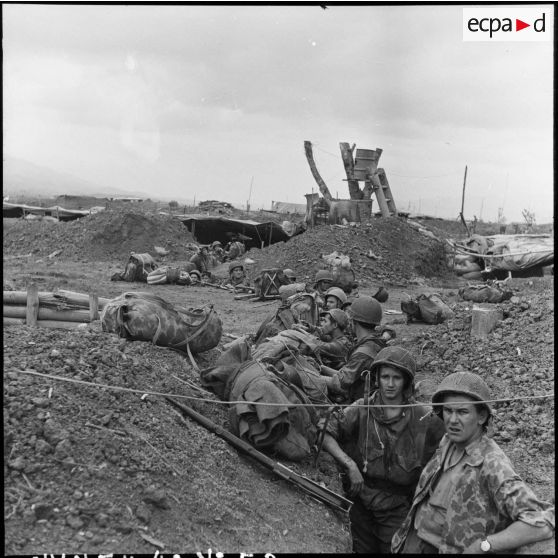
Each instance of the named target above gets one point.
<point>146,317</point>
<point>427,308</point>
<point>484,293</point>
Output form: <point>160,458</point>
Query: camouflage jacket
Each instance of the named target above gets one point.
<point>486,499</point>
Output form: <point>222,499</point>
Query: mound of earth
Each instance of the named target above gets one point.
<point>98,470</point>
<point>110,234</point>
<point>382,250</point>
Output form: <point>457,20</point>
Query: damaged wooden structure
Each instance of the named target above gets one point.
<point>361,166</point>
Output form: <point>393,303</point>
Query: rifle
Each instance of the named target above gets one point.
<point>314,489</point>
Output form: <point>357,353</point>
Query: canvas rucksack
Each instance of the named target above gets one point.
<point>146,317</point>
<point>429,308</point>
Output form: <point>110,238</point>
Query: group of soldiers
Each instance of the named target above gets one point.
<point>210,256</point>
<point>424,479</point>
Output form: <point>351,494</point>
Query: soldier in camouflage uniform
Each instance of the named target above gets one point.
<point>384,450</point>
<point>469,499</point>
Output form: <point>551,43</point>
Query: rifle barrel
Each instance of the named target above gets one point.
<point>321,493</point>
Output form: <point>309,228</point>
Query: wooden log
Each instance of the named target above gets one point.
<point>47,314</point>
<point>49,324</point>
<point>317,177</point>
<point>58,297</point>
<point>349,164</point>
<point>31,310</point>
<point>484,319</point>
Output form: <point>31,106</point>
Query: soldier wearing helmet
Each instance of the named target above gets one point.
<point>383,449</point>
<point>347,383</point>
<point>201,260</point>
<point>290,274</point>
<point>217,251</point>
<point>323,281</point>
<point>237,275</point>
<point>329,343</point>
<point>469,500</point>
<point>335,298</point>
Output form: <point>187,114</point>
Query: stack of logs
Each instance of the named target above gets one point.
<point>61,309</point>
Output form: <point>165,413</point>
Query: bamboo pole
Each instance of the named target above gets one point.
<point>31,311</point>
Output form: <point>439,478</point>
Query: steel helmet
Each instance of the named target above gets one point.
<point>338,293</point>
<point>381,295</point>
<point>399,358</point>
<point>465,383</point>
<point>289,273</point>
<point>323,275</point>
<point>216,243</point>
<point>338,316</point>
<point>234,265</point>
<point>367,310</point>
<point>195,272</point>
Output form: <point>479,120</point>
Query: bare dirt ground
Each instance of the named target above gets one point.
<point>90,469</point>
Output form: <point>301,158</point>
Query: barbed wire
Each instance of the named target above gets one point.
<point>256,403</point>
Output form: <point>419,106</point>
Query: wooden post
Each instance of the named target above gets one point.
<point>32,305</point>
<point>349,164</point>
<point>484,319</point>
<point>463,203</point>
<point>319,180</point>
<point>93,307</point>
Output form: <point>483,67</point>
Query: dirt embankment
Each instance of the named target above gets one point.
<point>383,250</point>
<point>102,236</point>
<point>98,470</point>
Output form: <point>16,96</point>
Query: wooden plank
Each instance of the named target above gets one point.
<point>93,307</point>
<point>32,307</point>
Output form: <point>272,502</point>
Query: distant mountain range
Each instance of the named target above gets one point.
<point>21,177</point>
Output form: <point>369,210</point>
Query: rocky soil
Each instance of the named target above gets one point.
<point>92,469</point>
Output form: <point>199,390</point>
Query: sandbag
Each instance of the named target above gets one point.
<point>146,317</point>
<point>484,293</point>
<point>472,276</point>
<point>467,267</point>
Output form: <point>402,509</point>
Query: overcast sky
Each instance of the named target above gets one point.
<point>194,101</point>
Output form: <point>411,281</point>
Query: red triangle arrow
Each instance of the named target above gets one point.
<point>519,25</point>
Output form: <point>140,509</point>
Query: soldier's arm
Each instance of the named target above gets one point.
<point>515,535</point>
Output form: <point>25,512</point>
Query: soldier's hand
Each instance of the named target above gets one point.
<point>356,479</point>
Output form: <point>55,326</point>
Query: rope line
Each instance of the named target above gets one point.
<point>206,400</point>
